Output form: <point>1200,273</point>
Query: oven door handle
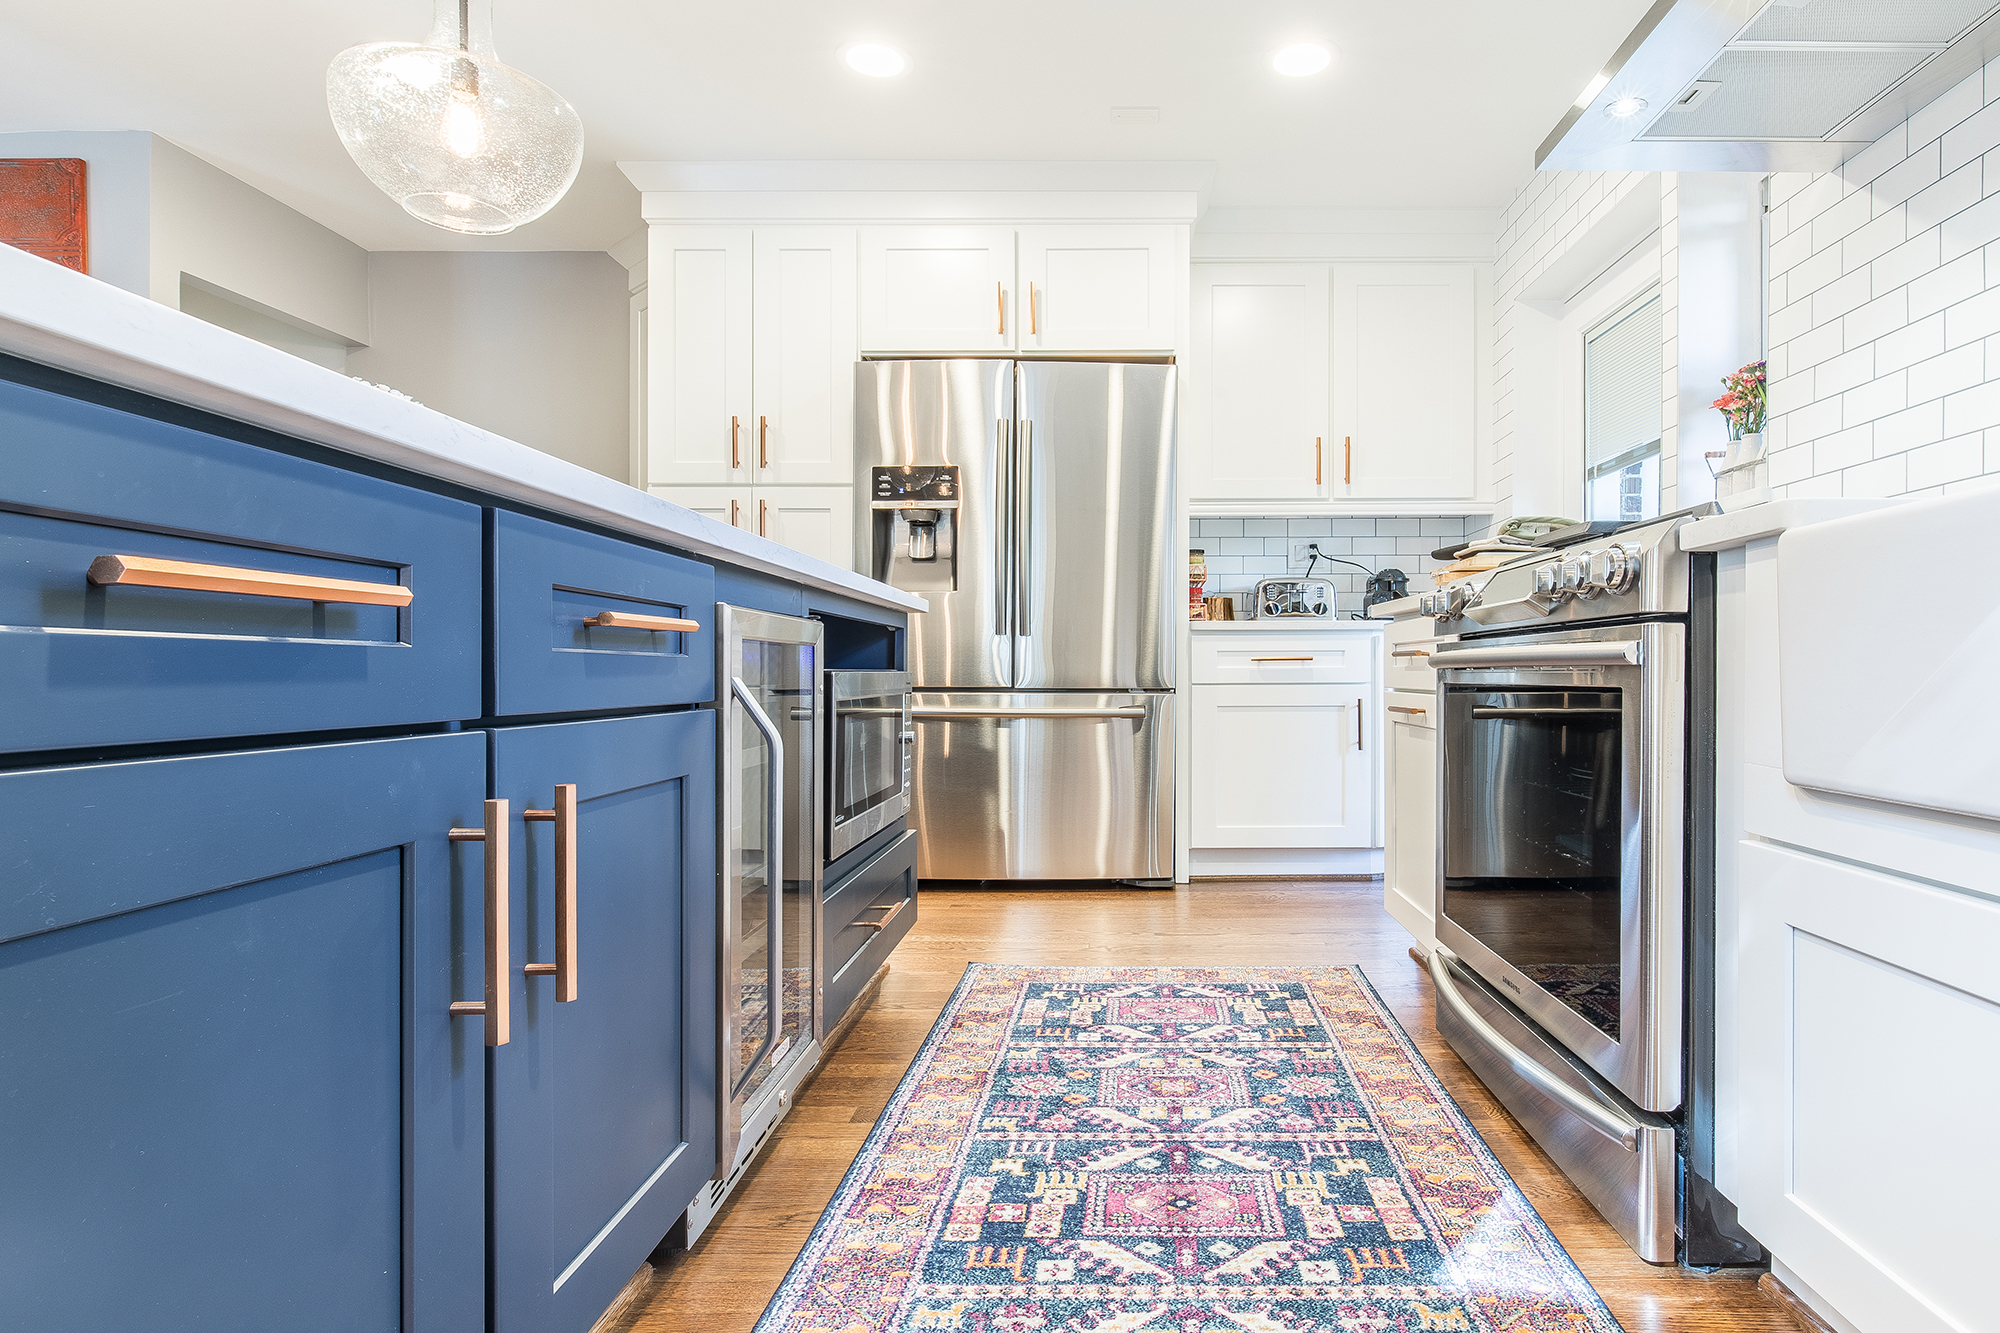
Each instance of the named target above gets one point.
<point>1482,713</point>
<point>1596,1114</point>
<point>1557,655</point>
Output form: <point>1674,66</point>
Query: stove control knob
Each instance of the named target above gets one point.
<point>1453,600</point>
<point>1572,576</point>
<point>1615,569</point>
<point>1547,582</point>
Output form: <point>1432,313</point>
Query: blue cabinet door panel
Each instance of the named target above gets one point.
<point>604,1107</point>
<point>551,582</point>
<point>85,665</point>
<point>231,1097</point>
<point>857,940</point>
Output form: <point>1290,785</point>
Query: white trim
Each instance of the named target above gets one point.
<point>864,207</point>
<point>918,176</point>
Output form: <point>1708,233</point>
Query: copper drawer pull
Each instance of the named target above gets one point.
<point>1409,652</point>
<point>1281,659</point>
<point>763,515</point>
<point>1000,303</point>
<point>624,620</point>
<point>890,912</point>
<point>735,442</point>
<point>1398,708</point>
<point>1318,441</point>
<point>1348,464</point>
<point>563,816</point>
<point>732,514</point>
<point>763,441</point>
<point>146,572</point>
<point>1033,324</point>
<point>494,1006</point>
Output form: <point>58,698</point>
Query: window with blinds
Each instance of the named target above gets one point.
<point>1621,413</point>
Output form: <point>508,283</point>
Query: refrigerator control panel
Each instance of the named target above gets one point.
<point>914,487</point>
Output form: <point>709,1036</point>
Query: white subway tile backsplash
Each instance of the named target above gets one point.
<point>1922,424</point>
<point>1965,98</point>
<point>1950,196</point>
<point>1264,527</point>
<point>1960,369</point>
<point>1970,138</point>
<point>1877,398</point>
<point>1839,221</point>
<point>1396,527</point>
<point>1974,229</point>
<point>1880,316</point>
<point>1841,373</point>
<point>1946,286</point>
<point>1869,243</point>
<point>1844,449</point>
<point>1900,347</point>
<point>1973,320</point>
<point>1883,477</point>
<point>1242,545</point>
<point>1947,461</point>
<point>1907,262</point>
<point>1309,527</point>
<point>1973,409</point>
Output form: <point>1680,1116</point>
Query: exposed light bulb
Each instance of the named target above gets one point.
<point>876,61</point>
<point>1622,107</point>
<point>461,129</point>
<point>1301,59</point>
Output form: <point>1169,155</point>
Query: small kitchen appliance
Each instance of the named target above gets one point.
<point>1575,910</point>
<point>867,756</point>
<point>1294,599</point>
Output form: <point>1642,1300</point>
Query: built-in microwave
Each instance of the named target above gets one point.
<point>867,755</point>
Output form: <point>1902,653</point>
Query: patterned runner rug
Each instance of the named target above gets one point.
<point>1176,1150</point>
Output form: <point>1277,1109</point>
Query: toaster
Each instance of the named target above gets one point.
<point>1310,599</point>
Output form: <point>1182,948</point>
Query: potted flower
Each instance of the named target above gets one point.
<point>1742,408</point>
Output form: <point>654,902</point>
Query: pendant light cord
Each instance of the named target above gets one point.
<point>465,25</point>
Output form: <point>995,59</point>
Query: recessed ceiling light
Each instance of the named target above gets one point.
<point>1301,59</point>
<point>876,61</point>
<point>1622,107</point>
<point>1591,90</point>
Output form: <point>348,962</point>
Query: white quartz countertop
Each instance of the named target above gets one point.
<point>61,318</point>
<point>1743,526</point>
<point>1285,624</point>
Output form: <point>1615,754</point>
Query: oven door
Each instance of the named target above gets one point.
<point>1560,797</point>
<point>869,756</point>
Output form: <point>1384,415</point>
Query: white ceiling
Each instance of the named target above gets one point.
<point>1432,105</point>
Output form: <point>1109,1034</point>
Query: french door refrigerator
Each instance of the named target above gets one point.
<point>1032,503</point>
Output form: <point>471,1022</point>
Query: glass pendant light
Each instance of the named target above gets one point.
<point>447,131</point>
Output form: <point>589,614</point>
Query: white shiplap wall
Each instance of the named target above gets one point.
<point>1885,309</point>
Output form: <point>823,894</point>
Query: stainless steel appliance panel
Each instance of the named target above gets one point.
<point>946,413</point>
<point>1629,1177</point>
<point>1044,786</point>
<point>1561,838</point>
<point>1094,488</point>
<point>868,755</point>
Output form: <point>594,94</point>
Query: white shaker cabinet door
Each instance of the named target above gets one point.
<point>938,289</point>
<point>1282,766</point>
<point>1409,817</point>
<point>1405,361</point>
<point>725,504</point>
<point>1867,1068</point>
<point>698,402</point>
<point>804,355</point>
<point>817,520</point>
<point>1099,288</point>
<point>1256,385</point>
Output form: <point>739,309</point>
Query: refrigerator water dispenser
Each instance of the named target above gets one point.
<point>916,527</point>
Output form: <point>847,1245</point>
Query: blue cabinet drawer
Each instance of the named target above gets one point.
<point>866,916</point>
<point>552,586</point>
<point>232,1094</point>
<point>86,662</point>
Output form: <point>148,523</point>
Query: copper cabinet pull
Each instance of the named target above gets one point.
<point>1347,464</point>
<point>1281,659</point>
<point>623,620</point>
<point>1409,652</point>
<point>563,816</point>
<point>1357,728</point>
<point>763,512</point>
<point>1318,455</point>
<point>495,1005</point>
<point>735,442</point>
<point>1033,323</point>
<point>1398,708</point>
<point>732,515</point>
<point>887,914</point>
<point>143,571</point>
<point>763,441</point>
<point>1000,303</point>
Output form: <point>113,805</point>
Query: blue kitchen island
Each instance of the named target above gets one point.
<point>358,834</point>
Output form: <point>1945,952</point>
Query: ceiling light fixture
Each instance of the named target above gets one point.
<point>460,140</point>
<point>876,61</point>
<point>1621,107</point>
<point>1301,59</point>
<point>1591,90</point>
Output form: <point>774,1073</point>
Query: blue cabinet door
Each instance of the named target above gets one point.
<point>604,1108</point>
<point>232,1098</point>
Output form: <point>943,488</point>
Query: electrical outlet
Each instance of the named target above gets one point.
<point>1297,555</point>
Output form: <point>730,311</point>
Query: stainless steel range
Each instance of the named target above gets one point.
<point>1575,907</point>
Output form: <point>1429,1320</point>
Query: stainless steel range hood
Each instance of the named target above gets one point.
<point>1788,85</point>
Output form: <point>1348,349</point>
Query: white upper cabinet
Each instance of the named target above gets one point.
<point>817,520</point>
<point>938,289</point>
<point>803,358</point>
<point>1099,288</point>
<point>1257,389</point>
<point>1404,364</point>
<point>698,349</point>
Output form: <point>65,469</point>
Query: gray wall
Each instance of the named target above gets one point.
<point>531,345</point>
<point>118,185</point>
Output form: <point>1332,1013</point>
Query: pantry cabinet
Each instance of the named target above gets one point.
<point>1321,387</point>
<point>1404,367</point>
<point>802,356</point>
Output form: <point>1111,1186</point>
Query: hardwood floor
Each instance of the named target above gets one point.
<point>723,1284</point>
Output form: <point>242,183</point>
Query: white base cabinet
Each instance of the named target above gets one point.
<point>1410,810</point>
<point>816,520</point>
<point>1282,766</point>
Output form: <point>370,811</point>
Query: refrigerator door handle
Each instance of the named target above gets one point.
<point>1024,512</point>
<point>1003,523</point>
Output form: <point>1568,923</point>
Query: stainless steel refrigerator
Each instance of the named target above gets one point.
<point>1032,503</point>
